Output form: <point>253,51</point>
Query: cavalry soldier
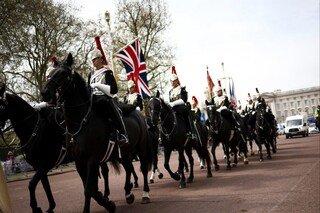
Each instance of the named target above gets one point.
<point>133,97</point>
<point>178,97</point>
<point>222,103</point>
<point>250,105</point>
<point>104,88</point>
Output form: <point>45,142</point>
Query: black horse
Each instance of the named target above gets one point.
<point>263,131</point>
<point>89,135</point>
<point>41,141</point>
<point>201,145</point>
<point>173,134</point>
<point>222,132</point>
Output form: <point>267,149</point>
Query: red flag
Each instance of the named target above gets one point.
<point>210,82</point>
<point>99,47</point>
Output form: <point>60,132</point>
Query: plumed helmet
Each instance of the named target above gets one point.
<point>257,93</point>
<point>96,53</point>
<point>130,84</point>
<point>217,88</point>
<point>49,70</point>
<point>249,97</point>
<point>173,77</point>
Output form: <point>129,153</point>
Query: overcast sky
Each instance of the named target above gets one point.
<point>269,44</point>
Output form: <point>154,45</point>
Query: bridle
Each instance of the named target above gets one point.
<point>34,131</point>
<point>162,129</point>
<point>214,125</point>
<point>63,87</point>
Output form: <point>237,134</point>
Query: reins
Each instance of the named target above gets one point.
<point>163,129</point>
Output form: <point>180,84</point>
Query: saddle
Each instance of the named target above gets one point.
<point>126,109</point>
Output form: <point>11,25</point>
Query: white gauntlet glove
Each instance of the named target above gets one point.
<point>40,106</point>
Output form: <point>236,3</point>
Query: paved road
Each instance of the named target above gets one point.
<point>287,183</point>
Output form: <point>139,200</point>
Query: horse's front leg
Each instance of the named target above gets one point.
<point>213,152</point>
<point>267,145</point>
<point>227,153</point>
<point>167,155</point>
<point>47,189</point>
<point>188,151</point>
<point>259,142</point>
<point>91,189</point>
<point>32,190</point>
<point>181,165</point>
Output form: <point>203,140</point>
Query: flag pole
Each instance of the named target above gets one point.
<point>125,46</point>
<point>107,18</point>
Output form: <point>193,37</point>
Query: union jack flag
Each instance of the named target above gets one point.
<point>136,68</point>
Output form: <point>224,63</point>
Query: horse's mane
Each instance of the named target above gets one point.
<point>13,98</point>
<point>82,86</point>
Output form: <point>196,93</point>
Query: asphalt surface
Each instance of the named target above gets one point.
<point>287,183</point>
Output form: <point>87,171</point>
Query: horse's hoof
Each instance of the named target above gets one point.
<point>201,167</point>
<point>228,167</point>
<point>269,157</point>
<point>145,200</point>
<point>176,176</point>
<point>261,159</point>
<point>136,185</point>
<point>209,174</point>
<point>160,176</point>
<point>274,151</point>
<point>217,168</point>
<point>189,180</point>
<point>37,210</point>
<point>111,207</point>
<point>50,210</point>
<point>252,153</point>
<point>246,162</point>
<point>182,185</point>
<point>151,181</point>
<point>130,198</point>
<point>234,165</point>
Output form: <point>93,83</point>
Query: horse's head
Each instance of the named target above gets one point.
<point>59,82</point>
<point>3,106</point>
<point>212,115</point>
<point>155,108</point>
<point>260,115</point>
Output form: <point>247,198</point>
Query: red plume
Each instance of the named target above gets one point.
<point>99,47</point>
<point>174,70</point>
<point>195,100</point>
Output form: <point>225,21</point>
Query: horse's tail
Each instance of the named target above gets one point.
<point>150,150</point>
<point>116,166</point>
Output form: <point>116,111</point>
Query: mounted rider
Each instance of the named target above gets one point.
<point>133,97</point>
<point>178,97</point>
<point>250,105</point>
<point>104,87</point>
<point>222,103</point>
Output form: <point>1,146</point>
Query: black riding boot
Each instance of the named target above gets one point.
<point>190,133</point>
<point>122,137</point>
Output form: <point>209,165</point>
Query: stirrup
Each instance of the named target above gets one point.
<point>122,140</point>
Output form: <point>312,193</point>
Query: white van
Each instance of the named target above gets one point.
<point>296,125</point>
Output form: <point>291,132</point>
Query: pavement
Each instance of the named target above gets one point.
<point>70,167</point>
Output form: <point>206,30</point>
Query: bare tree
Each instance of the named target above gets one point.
<point>31,32</point>
<point>148,20</point>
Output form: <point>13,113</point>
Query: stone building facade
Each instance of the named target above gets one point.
<point>293,102</point>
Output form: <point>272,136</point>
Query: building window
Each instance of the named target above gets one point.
<point>305,102</point>
<point>294,98</point>
<point>284,105</point>
<point>307,110</point>
<point>312,101</point>
<point>298,103</point>
<point>278,106</point>
<point>286,113</point>
<point>292,112</point>
<point>291,104</point>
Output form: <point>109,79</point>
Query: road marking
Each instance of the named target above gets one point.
<point>294,187</point>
